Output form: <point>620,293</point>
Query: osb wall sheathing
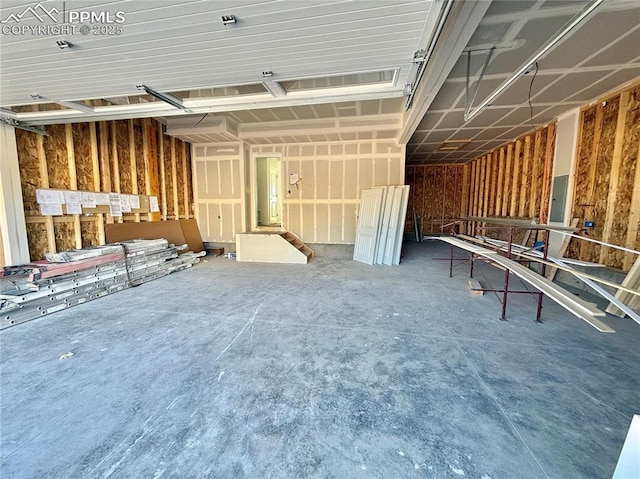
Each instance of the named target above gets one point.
<point>607,178</point>
<point>115,156</point>
<point>512,181</point>
<point>435,195</point>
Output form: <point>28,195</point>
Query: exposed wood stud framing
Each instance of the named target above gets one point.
<point>607,178</point>
<point>508,181</point>
<point>174,180</point>
<point>73,181</point>
<point>105,156</point>
<point>524,188</point>
<point>51,238</point>
<point>517,182</point>
<point>185,178</point>
<point>632,240</point>
<point>548,169</point>
<point>500,185</point>
<point>615,171</point>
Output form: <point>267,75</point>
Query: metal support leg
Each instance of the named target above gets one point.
<point>543,272</point>
<point>472,261</point>
<point>506,278</point>
<point>451,263</point>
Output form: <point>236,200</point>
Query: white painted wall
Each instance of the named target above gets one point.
<point>564,164</point>
<point>12,223</point>
<point>324,206</point>
<point>219,190</point>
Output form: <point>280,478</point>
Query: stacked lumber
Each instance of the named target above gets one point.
<point>74,277</point>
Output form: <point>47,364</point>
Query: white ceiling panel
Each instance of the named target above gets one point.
<point>182,46</point>
<point>158,39</point>
<point>597,57</point>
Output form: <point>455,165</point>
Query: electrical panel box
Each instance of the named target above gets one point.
<point>559,198</point>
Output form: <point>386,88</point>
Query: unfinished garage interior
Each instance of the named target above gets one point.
<point>320,239</point>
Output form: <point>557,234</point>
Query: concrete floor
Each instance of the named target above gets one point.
<point>332,369</point>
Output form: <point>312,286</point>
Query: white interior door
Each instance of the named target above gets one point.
<point>368,225</point>
<point>384,225</point>
<point>392,231</point>
<point>402,217</point>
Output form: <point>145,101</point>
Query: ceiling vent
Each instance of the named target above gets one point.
<point>452,145</point>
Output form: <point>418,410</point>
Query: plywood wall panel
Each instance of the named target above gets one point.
<point>436,193</point>
<point>90,232</point>
<point>525,187</point>
<point>38,241</point>
<point>607,180</point>
<point>138,147</point>
<point>125,182</point>
<point>600,190</point>
<point>189,181</point>
<point>82,143</point>
<point>103,156</point>
<point>537,172</point>
<point>168,192</point>
<point>30,175</point>
<point>55,149</point>
<point>152,159</point>
<point>501,181</point>
<point>64,235</point>
<point>180,176</point>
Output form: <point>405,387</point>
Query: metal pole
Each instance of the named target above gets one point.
<point>506,277</point>
<point>451,263</point>
<point>545,253</point>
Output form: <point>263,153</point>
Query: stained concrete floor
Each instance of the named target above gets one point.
<point>333,369</point>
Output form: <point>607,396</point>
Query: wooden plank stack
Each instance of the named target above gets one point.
<point>74,277</point>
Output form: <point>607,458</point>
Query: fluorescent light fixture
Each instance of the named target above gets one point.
<point>275,88</point>
<point>546,48</point>
<point>23,126</point>
<point>165,97</point>
<point>228,19</point>
<point>63,44</point>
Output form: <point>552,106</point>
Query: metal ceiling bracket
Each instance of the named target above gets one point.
<point>469,102</point>
<point>24,126</point>
<point>426,56</point>
<point>585,14</point>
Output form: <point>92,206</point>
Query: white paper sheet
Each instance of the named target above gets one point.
<point>102,198</point>
<point>153,204</point>
<point>74,209</point>
<point>125,203</point>
<point>72,197</point>
<point>135,202</point>
<point>51,209</point>
<point>115,207</point>
<point>49,196</point>
<point>88,199</point>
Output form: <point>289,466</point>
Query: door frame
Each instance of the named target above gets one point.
<point>254,192</point>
